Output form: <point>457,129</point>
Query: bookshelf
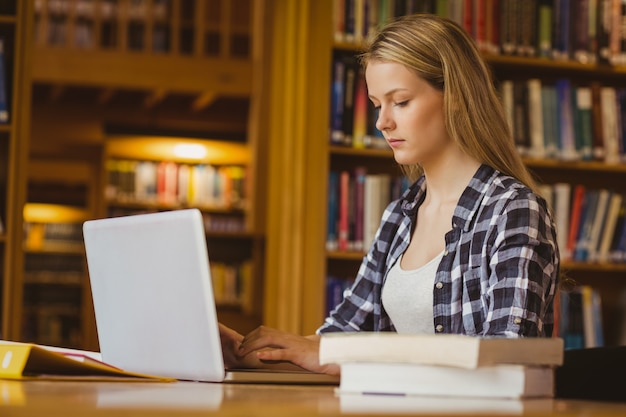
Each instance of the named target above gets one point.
<point>147,174</point>
<point>122,80</point>
<point>606,276</point>
<point>57,309</point>
<point>14,83</point>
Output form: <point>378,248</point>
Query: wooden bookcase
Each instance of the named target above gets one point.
<point>104,70</point>
<point>15,29</point>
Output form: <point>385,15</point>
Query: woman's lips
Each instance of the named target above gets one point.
<point>394,142</point>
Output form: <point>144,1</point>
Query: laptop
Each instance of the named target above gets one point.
<point>153,299</point>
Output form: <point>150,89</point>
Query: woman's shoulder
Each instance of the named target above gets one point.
<point>502,190</point>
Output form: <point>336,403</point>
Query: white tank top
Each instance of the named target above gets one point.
<point>408,296</point>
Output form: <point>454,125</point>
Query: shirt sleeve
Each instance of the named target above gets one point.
<point>524,265</point>
<point>355,312</point>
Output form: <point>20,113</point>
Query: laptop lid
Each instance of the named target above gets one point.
<point>153,300</point>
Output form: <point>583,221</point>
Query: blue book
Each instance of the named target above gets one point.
<point>332,233</point>
<point>336,102</point>
<point>4,103</point>
<point>590,204</point>
<point>566,120</point>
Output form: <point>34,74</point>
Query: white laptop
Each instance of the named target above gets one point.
<point>153,299</point>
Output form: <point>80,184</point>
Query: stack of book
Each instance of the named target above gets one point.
<point>443,365</point>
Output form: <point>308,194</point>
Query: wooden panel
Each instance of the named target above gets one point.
<point>128,70</point>
<point>298,154</point>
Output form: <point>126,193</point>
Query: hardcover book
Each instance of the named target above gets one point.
<point>450,350</point>
<point>31,361</point>
<point>497,381</point>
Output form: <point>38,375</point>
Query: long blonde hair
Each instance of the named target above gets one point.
<point>444,55</point>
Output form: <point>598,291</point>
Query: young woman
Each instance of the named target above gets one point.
<point>471,247</point>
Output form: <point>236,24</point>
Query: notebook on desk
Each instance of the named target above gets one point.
<point>153,299</point>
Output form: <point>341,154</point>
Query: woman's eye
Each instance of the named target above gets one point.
<point>402,103</point>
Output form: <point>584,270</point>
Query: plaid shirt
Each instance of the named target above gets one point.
<point>498,275</point>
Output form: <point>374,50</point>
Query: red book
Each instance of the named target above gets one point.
<point>344,195</point>
<point>575,219</point>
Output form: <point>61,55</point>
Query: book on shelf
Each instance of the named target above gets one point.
<point>565,118</point>
<point>583,128</point>
<point>580,323</point>
<point>561,209</point>
<point>589,222</point>
<point>609,227</point>
<point>32,361</point>
<point>576,210</point>
<point>585,31</point>
<point>535,119</point>
<point>587,215</point>
<point>171,183</point>
<point>4,99</point>
<point>356,201</point>
<point>566,121</point>
<point>461,351</point>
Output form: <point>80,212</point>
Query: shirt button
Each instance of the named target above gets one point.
<point>439,285</point>
<point>517,320</point>
<point>439,328</point>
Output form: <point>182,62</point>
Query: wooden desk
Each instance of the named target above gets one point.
<point>119,399</point>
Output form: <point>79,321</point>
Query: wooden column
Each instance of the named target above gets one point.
<point>297,164</point>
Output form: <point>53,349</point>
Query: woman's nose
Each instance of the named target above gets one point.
<point>383,120</point>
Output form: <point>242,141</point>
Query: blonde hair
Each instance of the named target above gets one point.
<point>444,55</point>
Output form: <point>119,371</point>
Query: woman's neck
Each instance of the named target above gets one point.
<point>446,181</point>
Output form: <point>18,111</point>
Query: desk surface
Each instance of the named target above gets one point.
<point>119,399</point>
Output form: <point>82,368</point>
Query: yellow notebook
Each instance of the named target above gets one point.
<point>31,361</point>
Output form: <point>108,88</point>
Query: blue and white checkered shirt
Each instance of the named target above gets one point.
<point>498,275</point>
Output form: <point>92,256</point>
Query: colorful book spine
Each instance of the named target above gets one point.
<point>4,100</point>
<point>332,233</point>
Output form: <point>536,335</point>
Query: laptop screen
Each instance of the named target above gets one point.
<point>153,300</point>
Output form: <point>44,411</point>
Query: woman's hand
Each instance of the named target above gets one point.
<point>272,346</point>
<point>231,341</point>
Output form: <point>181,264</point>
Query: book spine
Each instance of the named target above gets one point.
<point>339,21</point>
<point>350,77</point>
<point>575,220</point>
<point>359,195</point>
<point>360,111</point>
<point>580,18</point>
<point>562,197</point>
<point>566,121</point>
<point>583,118</point>
<point>527,41</point>
<point>344,197</point>
<point>521,117</point>
<point>4,99</point>
<point>332,234</point>
<point>545,28</point>
<point>336,102</point>
<point>609,228</point>
<point>608,99</point>
<point>535,118</point>
<point>587,214</point>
